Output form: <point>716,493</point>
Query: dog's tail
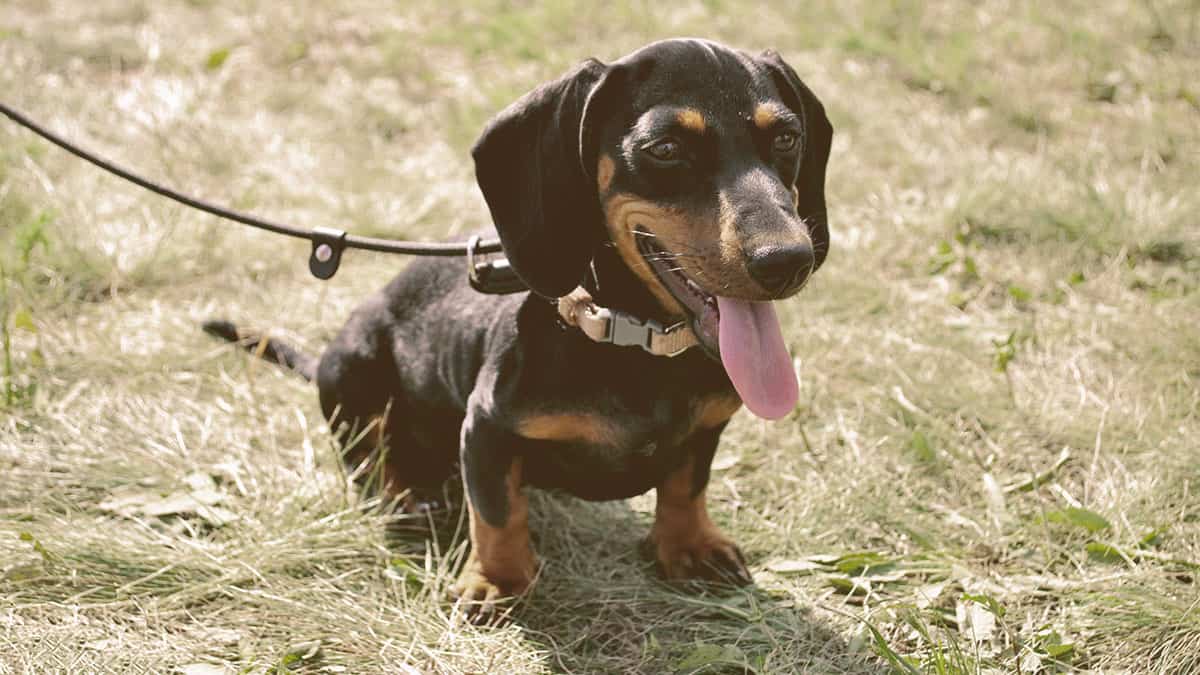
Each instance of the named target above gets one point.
<point>271,349</point>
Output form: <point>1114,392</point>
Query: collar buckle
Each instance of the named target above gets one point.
<point>608,326</point>
<point>627,331</point>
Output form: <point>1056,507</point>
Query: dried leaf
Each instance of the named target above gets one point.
<point>24,572</point>
<point>996,505</point>
<point>1031,482</point>
<point>218,636</point>
<point>975,621</point>
<point>796,567</point>
<point>204,669</point>
<point>928,594</point>
<point>1031,663</point>
<point>302,652</point>
<point>199,481</point>
<point>135,502</point>
<point>855,586</point>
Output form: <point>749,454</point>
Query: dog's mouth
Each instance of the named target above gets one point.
<point>703,313</point>
<point>744,335</point>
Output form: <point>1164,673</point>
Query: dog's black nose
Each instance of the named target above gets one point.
<point>779,269</point>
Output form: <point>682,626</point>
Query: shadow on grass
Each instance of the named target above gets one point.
<point>598,605</point>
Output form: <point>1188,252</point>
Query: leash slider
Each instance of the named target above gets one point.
<point>327,246</point>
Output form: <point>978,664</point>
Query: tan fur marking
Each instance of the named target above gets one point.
<point>708,251</point>
<point>374,466</point>
<point>765,115</point>
<point>731,248</point>
<point>678,516</point>
<point>570,427</point>
<point>605,169</point>
<point>504,554</point>
<point>624,212</point>
<point>715,411</point>
<point>683,534</point>
<point>381,468</point>
<point>376,431</point>
<point>692,119</point>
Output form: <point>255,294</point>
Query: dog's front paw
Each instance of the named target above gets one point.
<point>485,599</point>
<point>706,556</point>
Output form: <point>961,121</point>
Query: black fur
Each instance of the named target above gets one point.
<point>531,164</point>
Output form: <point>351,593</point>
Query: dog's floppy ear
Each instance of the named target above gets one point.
<point>531,162</point>
<point>818,135</point>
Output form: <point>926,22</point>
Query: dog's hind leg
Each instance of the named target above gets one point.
<point>368,416</point>
<point>372,455</point>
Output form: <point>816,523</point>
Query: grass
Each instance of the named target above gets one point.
<point>993,467</point>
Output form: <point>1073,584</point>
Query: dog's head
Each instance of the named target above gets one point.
<point>703,166</point>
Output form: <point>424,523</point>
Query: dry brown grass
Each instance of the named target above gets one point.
<point>1015,272</point>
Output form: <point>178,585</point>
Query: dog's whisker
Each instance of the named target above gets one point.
<point>669,256</point>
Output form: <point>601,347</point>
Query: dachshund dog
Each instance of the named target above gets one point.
<point>655,207</point>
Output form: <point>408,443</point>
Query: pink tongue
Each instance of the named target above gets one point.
<point>755,357</point>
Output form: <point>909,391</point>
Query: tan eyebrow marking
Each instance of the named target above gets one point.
<point>692,119</point>
<point>766,115</point>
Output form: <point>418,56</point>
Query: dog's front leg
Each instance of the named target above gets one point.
<point>502,563</point>
<point>684,541</point>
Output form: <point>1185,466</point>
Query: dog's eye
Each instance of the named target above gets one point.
<point>665,150</point>
<point>785,141</point>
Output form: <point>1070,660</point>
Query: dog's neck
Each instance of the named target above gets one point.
<point>611,284</point>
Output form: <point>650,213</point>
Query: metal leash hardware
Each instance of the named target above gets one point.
<point>327,246</point>
<point>494,276</point>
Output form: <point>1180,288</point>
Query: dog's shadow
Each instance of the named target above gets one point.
<point>599,606</point>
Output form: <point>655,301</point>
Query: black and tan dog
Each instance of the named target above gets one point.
<point>682,184</point>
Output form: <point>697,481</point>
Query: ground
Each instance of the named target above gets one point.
<point>993,467</point>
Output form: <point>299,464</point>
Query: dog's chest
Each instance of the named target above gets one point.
<point>614,453</point>
<point>616,429</point>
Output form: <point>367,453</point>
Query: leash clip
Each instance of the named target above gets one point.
<point>327,246</point>
<point>493,277</point>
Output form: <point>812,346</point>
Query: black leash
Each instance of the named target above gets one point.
<point>327,243</point>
